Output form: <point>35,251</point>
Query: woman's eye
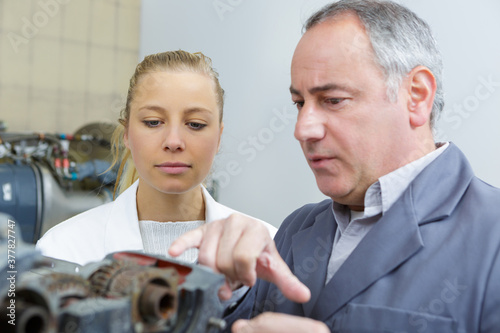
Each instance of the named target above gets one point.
<point>151,123</point>
<point>196,126</point>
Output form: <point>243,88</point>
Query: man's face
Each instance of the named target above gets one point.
<point>349,130</point>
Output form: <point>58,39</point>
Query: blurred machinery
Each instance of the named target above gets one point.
<point>47,178</point>
<point>125,292</point>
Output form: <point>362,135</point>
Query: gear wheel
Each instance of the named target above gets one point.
<point>152,290</point>
<point>67,288</point>
<point>101,279</point>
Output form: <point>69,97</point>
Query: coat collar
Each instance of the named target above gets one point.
<point>213,209</point>
<point>439,188</point>
<point>122,228</point>
<point>394,239</point>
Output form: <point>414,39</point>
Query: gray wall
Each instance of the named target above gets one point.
<point>260,168</point>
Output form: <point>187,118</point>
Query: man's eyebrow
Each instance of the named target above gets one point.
<point>294,91</point>
<point>326,87</point>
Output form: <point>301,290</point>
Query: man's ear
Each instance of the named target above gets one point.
<point>421,89</point>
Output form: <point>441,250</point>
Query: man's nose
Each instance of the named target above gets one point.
<point>310,123</point>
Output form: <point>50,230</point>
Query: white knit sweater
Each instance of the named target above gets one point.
<point>158,236</point>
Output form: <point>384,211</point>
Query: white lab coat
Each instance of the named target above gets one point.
<point>112,227</point>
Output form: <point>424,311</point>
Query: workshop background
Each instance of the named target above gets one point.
<point>66,63</point>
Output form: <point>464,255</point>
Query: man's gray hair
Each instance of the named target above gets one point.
<point>400,40</point>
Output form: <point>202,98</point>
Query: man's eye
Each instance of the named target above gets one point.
<point>151,123</point>
<point>299,105</point>
<point>335,100</point>
<point>196,126</point>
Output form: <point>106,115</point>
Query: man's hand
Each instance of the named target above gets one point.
<point>270,322</point>
<point>240,248</point>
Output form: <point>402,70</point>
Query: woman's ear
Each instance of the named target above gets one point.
<point>422,89</point>
<point>220,135</point>
<point>125,138</point>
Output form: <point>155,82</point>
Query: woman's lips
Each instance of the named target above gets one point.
<point>173,168</point>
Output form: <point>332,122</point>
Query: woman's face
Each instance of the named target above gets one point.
<point>174,130</point>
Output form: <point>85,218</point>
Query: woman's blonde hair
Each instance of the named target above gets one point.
<point>172,61</point>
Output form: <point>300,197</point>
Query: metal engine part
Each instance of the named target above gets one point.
<point>127,292</point>
<point>47,178</point>
<point>153,291</point>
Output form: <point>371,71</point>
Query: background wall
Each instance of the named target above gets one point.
<point>65,63</point>
<point>260,168</point>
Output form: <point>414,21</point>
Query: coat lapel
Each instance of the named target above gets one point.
<point>122,230</point>
<point>311,249</point>
<point>385,247</point>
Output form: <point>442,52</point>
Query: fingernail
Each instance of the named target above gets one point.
<point>172,250</point>
<point>240,324</point>
<point>224,294</point>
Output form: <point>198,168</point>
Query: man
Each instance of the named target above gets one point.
<point>410,240</point>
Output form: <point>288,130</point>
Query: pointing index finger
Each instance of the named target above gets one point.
<point>272,268</point>
<point>191,239</point>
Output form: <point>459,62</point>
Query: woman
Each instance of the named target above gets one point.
<point>171,129</point>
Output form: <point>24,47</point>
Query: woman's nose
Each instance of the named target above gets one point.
<point>173,140</point>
